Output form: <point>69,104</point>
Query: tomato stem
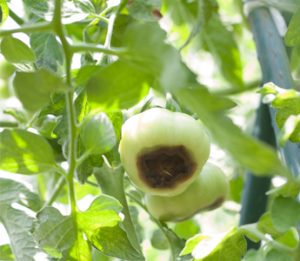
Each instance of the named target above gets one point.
<point>72,122</point>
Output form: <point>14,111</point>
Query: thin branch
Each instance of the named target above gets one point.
<point>15,17</point>
<point>79,48</point>
<point>59,185</point>
<point>32,28</point>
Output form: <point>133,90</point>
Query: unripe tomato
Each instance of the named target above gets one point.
<point>163,151</point>
<point>207,192</point>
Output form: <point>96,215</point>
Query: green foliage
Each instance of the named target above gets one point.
<point>292,35</point>
<point>216,38</point>
<point>97,134</point>
<point>15,51</point>
<point>18,226</point>
<point>285,213</point>
<point>81,77</point>
<point>24,152</point>
<point>14,192</point>
<point>119,85</point>
<point>287,106</point>
<point>47,232</point>
<point>3,11</point>
<point>231,246</point>
<point>47,50</point>
<point>41,85</point>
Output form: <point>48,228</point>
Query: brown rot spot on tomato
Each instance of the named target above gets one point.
<point>165,167</point>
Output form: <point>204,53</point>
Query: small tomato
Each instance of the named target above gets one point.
<point>207,192</point>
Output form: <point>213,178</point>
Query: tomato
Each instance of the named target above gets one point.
<point>163,151</point>
<point>207,192</point>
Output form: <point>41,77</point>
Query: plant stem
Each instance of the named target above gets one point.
<point>262,237</point>
<point>15,17</point>
<point>32,28</point>
<point>8,124</point>
<point>108,35</point>
<point>160,225</point>
<point>78,48</point>
<point>72,124</point>
<point>59,185</point>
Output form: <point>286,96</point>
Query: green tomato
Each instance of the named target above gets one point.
<point>163,151</point>
<point>207,192</point>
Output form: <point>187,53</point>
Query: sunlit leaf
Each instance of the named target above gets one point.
<point>54,232</point>
<point>15,51</point>
<point>6,253</point>
<point>217,38</point>
<point>285,213</point>
<point>292,36</point>
<point>4,11</point>
<point>25,152</point>
<point>230,246</point>
<point>18,226</point>
<point>113,241</point>
<point>34,89</point>
<point>12,191</point>
<point>47,50</point>
<point>97,134</point>
<point>263,161</point>
<point>119,85</point>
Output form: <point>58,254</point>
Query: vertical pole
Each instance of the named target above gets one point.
<point>275,68</point>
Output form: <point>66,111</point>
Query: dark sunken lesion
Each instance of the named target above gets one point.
<point>165,167</point>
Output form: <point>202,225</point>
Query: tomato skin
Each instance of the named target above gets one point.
<point>207,192</point>
<point>159,128</point>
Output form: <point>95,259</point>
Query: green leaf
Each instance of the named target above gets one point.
<point>292,36</point>
<point>103,212</point>
<point>81,251</point>
<point>254,255</point>
<point>290,189</point>
<point>117,86</point>
<point>191,244</point>
<point>263,161</point>
<point>186,229</point>
<point>236,188</point>
<point>100,225</point>
<point>6,253</point>
<point>54,232</point>
<point>15,51</point>
<point>113,241</point>
<point>277,255</point>
<point>290,130</point>
<point>85,6</point>
<point>231,246</point>
<point>25,153</point>
<point>12,191</point>
<point>47,50</point>
<point>287,106</point>
<point>4,11</point>
<point>148,51</point>
<point>159,240</point>
<point>34,89</point>
<point>265,225</point>
<point>144,10</point>
<point>289,238</point>
<point>97,134</point>
<point>221,44</point>
<point>18,227</point>
<point>285,213</point>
